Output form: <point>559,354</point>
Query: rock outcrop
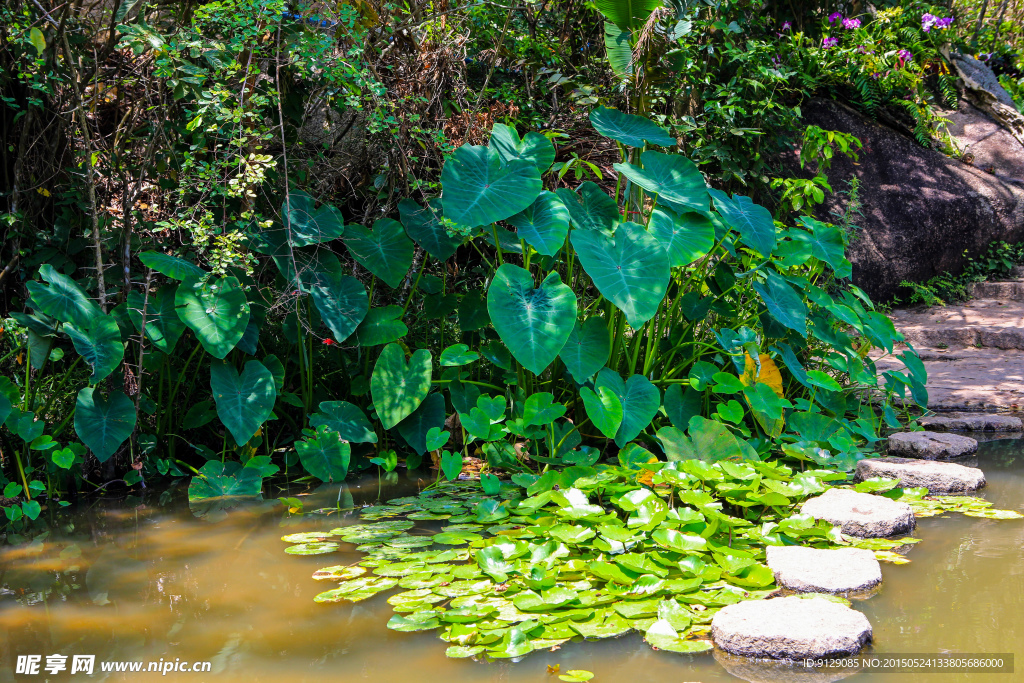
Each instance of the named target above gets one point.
<point>922,209</point>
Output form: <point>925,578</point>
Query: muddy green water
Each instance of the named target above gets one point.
<point>143,579</point>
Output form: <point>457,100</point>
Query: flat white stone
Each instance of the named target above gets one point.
<point>790,628</point>
<point>816,570</point>
<point>931,445</point>
<point>861,514</point>
<point>937,477</point>
<point>973,422</point>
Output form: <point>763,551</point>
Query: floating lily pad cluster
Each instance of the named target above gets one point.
<point>588,552</point>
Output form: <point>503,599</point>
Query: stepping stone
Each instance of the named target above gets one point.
<point>813,570</point>
<point>861,514</point>
<point>931,445</point>
<point>790,628</point>
<point>937,477</point>
<point>973,423</point>
<point>778,670</point>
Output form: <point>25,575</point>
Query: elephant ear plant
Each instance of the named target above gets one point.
<point>651,319</point>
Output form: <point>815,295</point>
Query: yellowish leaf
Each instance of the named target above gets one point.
<point>769,374</point>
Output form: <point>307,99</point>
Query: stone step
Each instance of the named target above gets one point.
<point>969,379</point>
<point>979,323</point>
<point>972,422</point>
<point>931,445</point>
<point>937,477</point>
<point>861,514</point>
<point>1012,290</point>
<point>817,570</point>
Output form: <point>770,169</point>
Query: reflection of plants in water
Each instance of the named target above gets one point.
<point>1001,453</point>
<point>592,552</point>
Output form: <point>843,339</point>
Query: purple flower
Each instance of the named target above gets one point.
<point>829,42</point>
<point>927,21</point>
<point>834,16</point>
<point>943,23</point>
<point>905,55</point>
<point>850,24</point>
<point>787,26</point>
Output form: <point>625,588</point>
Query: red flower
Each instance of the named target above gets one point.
<point>330,342</point>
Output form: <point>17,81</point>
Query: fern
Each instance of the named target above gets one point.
<point>947,86</point>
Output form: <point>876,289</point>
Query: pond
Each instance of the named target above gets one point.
<point>142,579</point>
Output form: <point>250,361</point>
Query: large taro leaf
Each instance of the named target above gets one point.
<point>244,401</point>
<point>826,244</point>
<point>103,424</point>
<point>163,326</point>
<point>99,344</point>
<point>534,322</point>
<point>684,237</point>
<point>640,402</point>
<point>171,266</point>
<point>346,419</point>
<point>305,225</point>
<point>386,251</point>
<point>325,455</point>
<point>619,48</point>
<point>62,298</point>
<point>382,325</point>
<point>603,408</point>
<point>479,189</point>
<point>429,414</point>
<point>674,178</point>
<point>423,225</point>
<point>630,269</point>
<point>627,14</point>
<point>534,147</point>
<point>752,221</point>
<point>629,129</point>
<point>221,485</point>
<point>340,299</point>
<point>587,349</point>
<point>713,441</point>
<point>783,302</point>
<point>590,207</point>
<point>216,311</point>
<point>682,403</point>
<point>544,224</point>
<point>398,387</point>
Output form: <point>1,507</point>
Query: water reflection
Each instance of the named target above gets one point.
<point>138,580</point>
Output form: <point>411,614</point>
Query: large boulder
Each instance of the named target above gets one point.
<point>921,209</point>
<point>931,445</point>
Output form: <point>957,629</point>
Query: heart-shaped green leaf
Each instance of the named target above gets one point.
<point>345,419</point>
<point>540,409</point>
<point>457,355</point>
<point>783,302</point>
<point>479,189</point>
<point>826,244</point>
<point>305,225</point>
<point>386,251</point>
<point>674,178</point>
<point>630,269</point>
<point>544,224</point>
<point>62,298</point>
<point>171,266</point>
<point>103,424</point>
<point>590,208</point>
<point>216,311</point>
<point>587,349</point>
<point>713,442</point>
<point>244,402</point>
<point>533,322</point>
<point>398,387</point>
<point>685,238</point>
<point>217,480</point>
<point>534,147</point>
<point>340,299</point>
<point>63,458</point>
<point>99,344</point>
<point>473,312</point>
<point>682,403</point>
<point>629,129</point>
<point>325,456</point>
<point>427,416</point>
<point>451,465</point>
<point>423,225</point>
<point>753,222</point>
<point>603,408</point>
<point>640,402</point>
<point>163,326</point>
<point>436,438</point>
<point>382,325</point>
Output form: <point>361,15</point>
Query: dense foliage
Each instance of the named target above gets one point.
<point>246,240</point>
